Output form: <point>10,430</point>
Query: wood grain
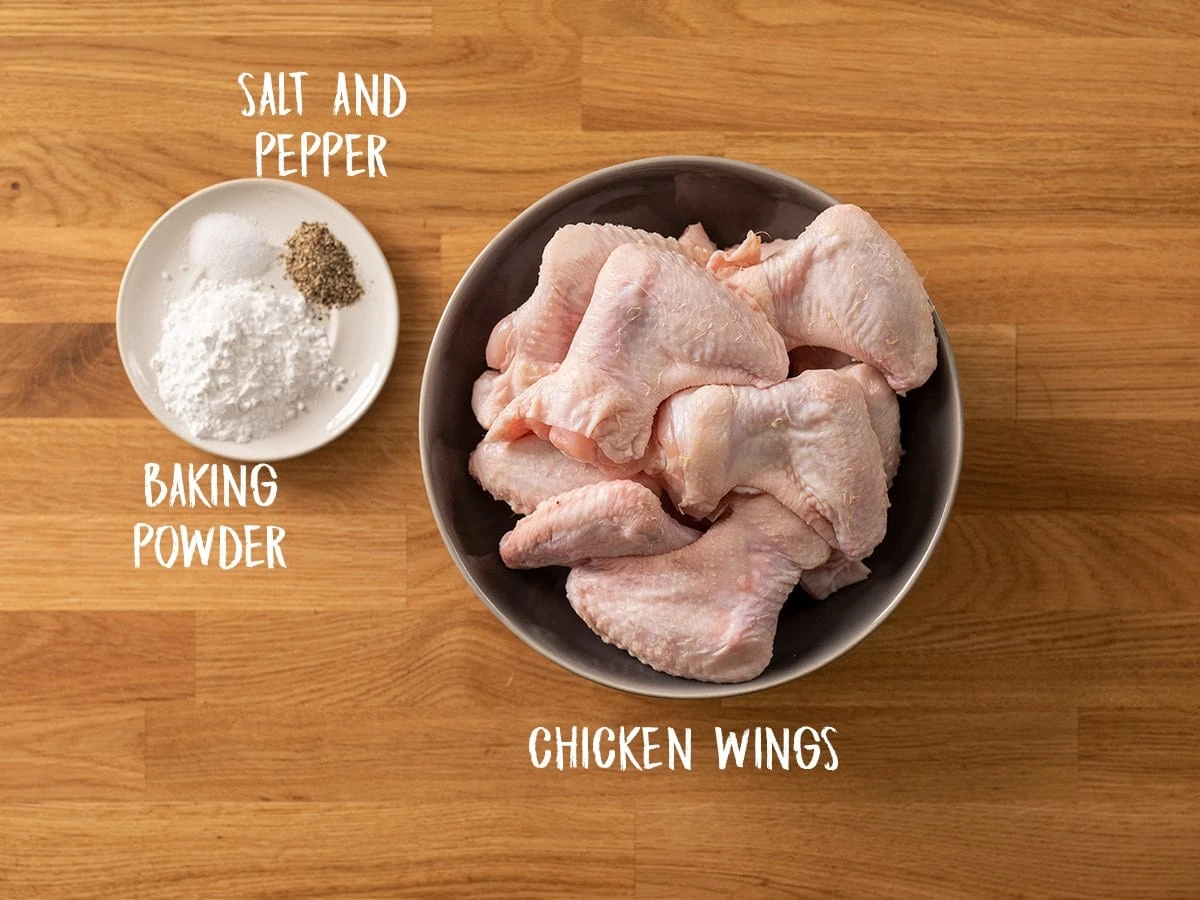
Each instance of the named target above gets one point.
<point>67,753</point>
<point>1037,272</point>
<point>1082,562</point>
<point>313,576</point>
<point>500,177</point>
<point>331,754</point>
<point>1035,84</point>
<point>52,281</point>
<point>301,849</point>
<point>73,371</point>
<point>740,19</point>
<point>1150,747</point>
<point>285,658</point>
<point>999,659</point>
<point>1023,724</point>
<point>50,459</point>
<point>96,657</point>
<point>293,17</point>
<point>986,357</point>
<point>1129,365</point>
<point>980,175</point>
<point>1083,464</point>
<point>981,849</point>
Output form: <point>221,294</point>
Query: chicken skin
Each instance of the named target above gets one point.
<point>531,341</point>
<point>884,411</point>
<point>525,472</point>
<point>838,572</point>
<point>657,324</point>
<point>697,243</point>
<point>807,441</point>
<point>709,610</point>
<point>846,284</point>
<point>481,397</point>
<point>610,518</point>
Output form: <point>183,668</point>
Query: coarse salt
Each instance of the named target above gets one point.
<point>226,247</point>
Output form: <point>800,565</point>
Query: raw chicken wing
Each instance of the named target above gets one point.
<point>846,284</point>
<point>525,472</point>
<point>611,518</point>
<point>747,253</point>
<point>708,611</point>
<point>657,324</point>
<point>697,243</point>
<point>881,399</point>
<point>837,573</point>
<point>807,441</point>
<point>529,342</point>
<point>481,397</point>
<point>884,411</point>
<point>750,252</point>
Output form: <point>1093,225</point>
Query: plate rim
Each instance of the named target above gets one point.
<point>232,449</point>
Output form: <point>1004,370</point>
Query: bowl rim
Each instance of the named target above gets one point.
<point>679,688</point>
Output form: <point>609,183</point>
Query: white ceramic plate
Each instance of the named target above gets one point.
<point>363,335</point>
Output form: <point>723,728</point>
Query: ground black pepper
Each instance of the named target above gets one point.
<point>321,267</point>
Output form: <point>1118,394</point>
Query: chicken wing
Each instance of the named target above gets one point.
<point>525,472</point>
<point>531,341</point>
<point>807,441</point>
<point>846,284</point>
<point>657,324</point>
<point>611,518</point>
<point>709,610</point>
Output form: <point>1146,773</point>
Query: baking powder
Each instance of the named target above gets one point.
<point>237,360</point>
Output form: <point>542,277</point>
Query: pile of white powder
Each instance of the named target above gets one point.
<point>226,246</point>
<point>238,358</point>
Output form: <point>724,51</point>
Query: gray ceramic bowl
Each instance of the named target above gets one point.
<point>663,194</point>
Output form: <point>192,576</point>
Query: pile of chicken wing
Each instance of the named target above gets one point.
<point>694,431</point>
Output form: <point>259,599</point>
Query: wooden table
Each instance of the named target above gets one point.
<point>1026,723</point>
